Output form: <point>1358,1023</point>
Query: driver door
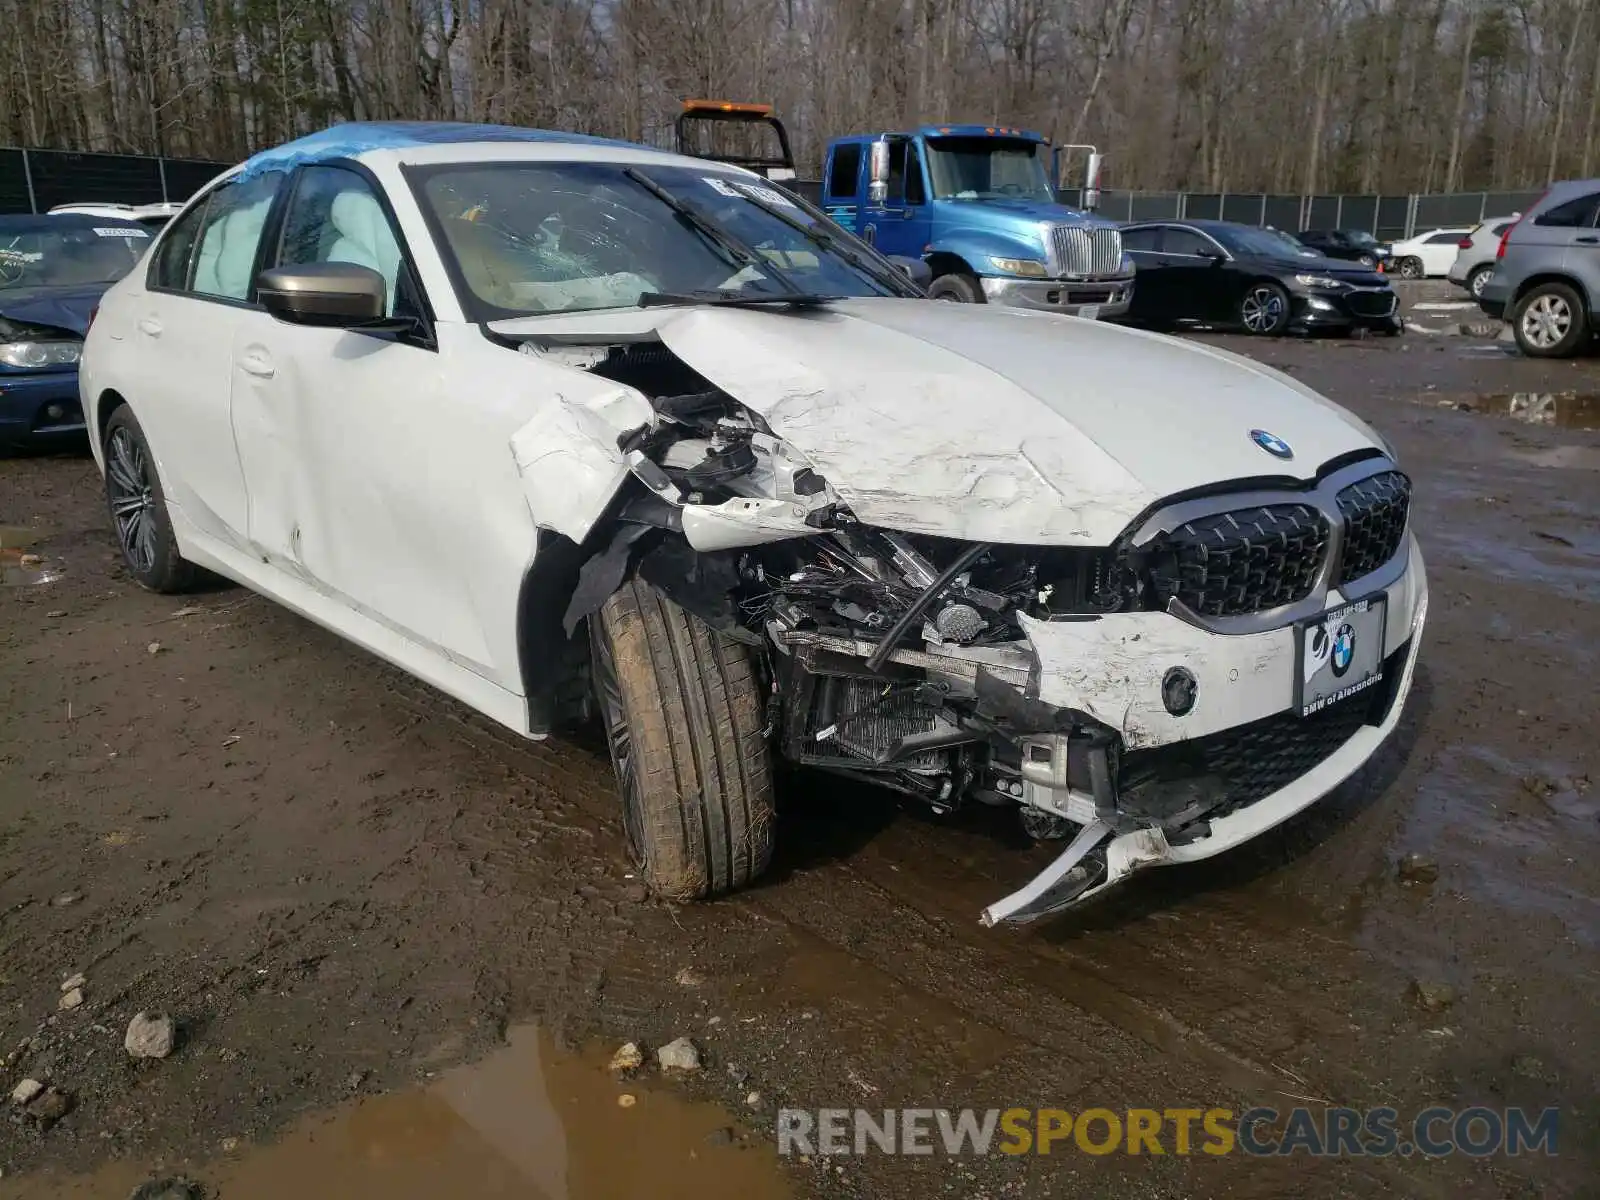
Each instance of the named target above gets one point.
<point>337,432</point>
<point>902,224</point>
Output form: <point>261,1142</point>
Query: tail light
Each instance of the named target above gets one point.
<point>1464,244</point>
<point>1504,238</point>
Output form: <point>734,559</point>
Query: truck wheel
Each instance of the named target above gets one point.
<point>1550,322</point>
<point>964,289</point>
<point>684,714</point>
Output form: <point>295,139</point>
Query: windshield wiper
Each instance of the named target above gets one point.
<point>821,238</point>
<point>735,299</point>
<point>707,228</point>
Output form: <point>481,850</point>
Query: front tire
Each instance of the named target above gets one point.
<point>1410,268</point>
<point>961,288</point>
<point>138,509</point>
<point>1264,311</point>
<point>1550,322</point>
<point>684,714</point>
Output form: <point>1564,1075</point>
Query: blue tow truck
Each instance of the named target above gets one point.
<point>977,203</point>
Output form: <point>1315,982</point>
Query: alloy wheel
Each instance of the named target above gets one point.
<point>1262,310</point>
<point>1546,321</point>
<point>1477,282</point>
<point>132,499</point>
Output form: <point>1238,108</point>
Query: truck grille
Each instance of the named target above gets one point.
<point>1084,250</point>
<point>1233,563</point>
<point>1371,302</point>
<point>1374,513</point>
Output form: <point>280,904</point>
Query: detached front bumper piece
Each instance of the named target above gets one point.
<point>1270,767</point>
<point>1086,298</point>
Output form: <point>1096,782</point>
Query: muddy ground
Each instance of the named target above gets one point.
<point>340,882</point>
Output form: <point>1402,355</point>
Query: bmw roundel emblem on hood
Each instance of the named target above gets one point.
<point>1271,443</point>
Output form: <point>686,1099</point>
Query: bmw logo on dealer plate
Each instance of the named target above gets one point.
<point>1271,443</point>
<point>1344,649</point>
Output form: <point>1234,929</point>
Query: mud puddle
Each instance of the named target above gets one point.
<point>1556,410</point>
<point>19,566</point>
<point>528,1123</point>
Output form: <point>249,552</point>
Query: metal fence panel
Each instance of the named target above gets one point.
<point>1322,213</point>
<point>1503,204</point>
<point>1463,210</point>
<point>1154,206</point>
<point>1202,206</point>
<point>1393,212</point>
<point>186,176</point>
<point>60,177</point>
<point>14,183</point>
<point>1283,212</point>
<point>1245,209</point>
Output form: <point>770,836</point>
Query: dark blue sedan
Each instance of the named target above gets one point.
<point>53,271</point>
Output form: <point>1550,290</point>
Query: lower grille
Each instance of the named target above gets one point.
<point>1374,303</point>
<point>1374,513</point>
<point>1234,563</point>
<point>1223,772</point>
<point>1084,250</point>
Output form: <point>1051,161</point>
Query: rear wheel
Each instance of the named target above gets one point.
<point>684,715</point>
<point>1479,277</point>
<point>1550,321</point>
<point>1264,311</point>
<point>964,289</point>
<point>138,508</point>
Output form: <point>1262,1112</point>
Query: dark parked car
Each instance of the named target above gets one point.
<point>1353,245</point>
<point>53,271</point>
<point>1219,273</point>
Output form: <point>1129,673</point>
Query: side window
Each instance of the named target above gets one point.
<point>1187,241</point>
<point>914,193</point>
<point>1146,239</point>
<point>1574,214</point>
<point>897,169</point>
<point>1500,229</point>
<point>844,171</point>
<point>169,268</point>
<point>230,236</point>
<point>1444,239</point>
<point>335,216</point>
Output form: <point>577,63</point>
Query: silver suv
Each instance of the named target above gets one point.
<point>1475,253</point>
<point>1546,280</point>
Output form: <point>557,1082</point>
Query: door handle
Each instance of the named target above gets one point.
<point>256,364</point>
<point>150,326</point>
<point>1588,241</point>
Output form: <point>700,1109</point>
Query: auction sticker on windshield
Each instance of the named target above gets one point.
<point>740,190</point>
<point>120,231</point>
<point>1340,653</point>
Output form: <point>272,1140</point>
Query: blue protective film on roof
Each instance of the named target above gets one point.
<point>357,137</point>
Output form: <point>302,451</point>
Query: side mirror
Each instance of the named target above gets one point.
<point>1217,257</point>
<point>1091,182</point>
<point>878,172</point>
<point>921,273</point>
<point>340,295</point>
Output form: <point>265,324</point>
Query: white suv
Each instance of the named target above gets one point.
<point>520,411</point>
<point>1475,253</point>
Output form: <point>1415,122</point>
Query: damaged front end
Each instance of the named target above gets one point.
<point>1052,679</point>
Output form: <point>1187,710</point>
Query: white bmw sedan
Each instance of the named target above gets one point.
<point>572,428</point>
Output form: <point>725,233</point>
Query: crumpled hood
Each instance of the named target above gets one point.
<point>998,425</point>
<point>62,307</point>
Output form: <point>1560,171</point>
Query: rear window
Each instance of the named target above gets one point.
<point>75,256</point>
<point>1578,213</point>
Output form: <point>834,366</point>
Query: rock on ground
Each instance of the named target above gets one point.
<point>150,1035</point>
<point>679,1055</point>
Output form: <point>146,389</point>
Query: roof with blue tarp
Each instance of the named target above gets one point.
<point>358,137</point>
